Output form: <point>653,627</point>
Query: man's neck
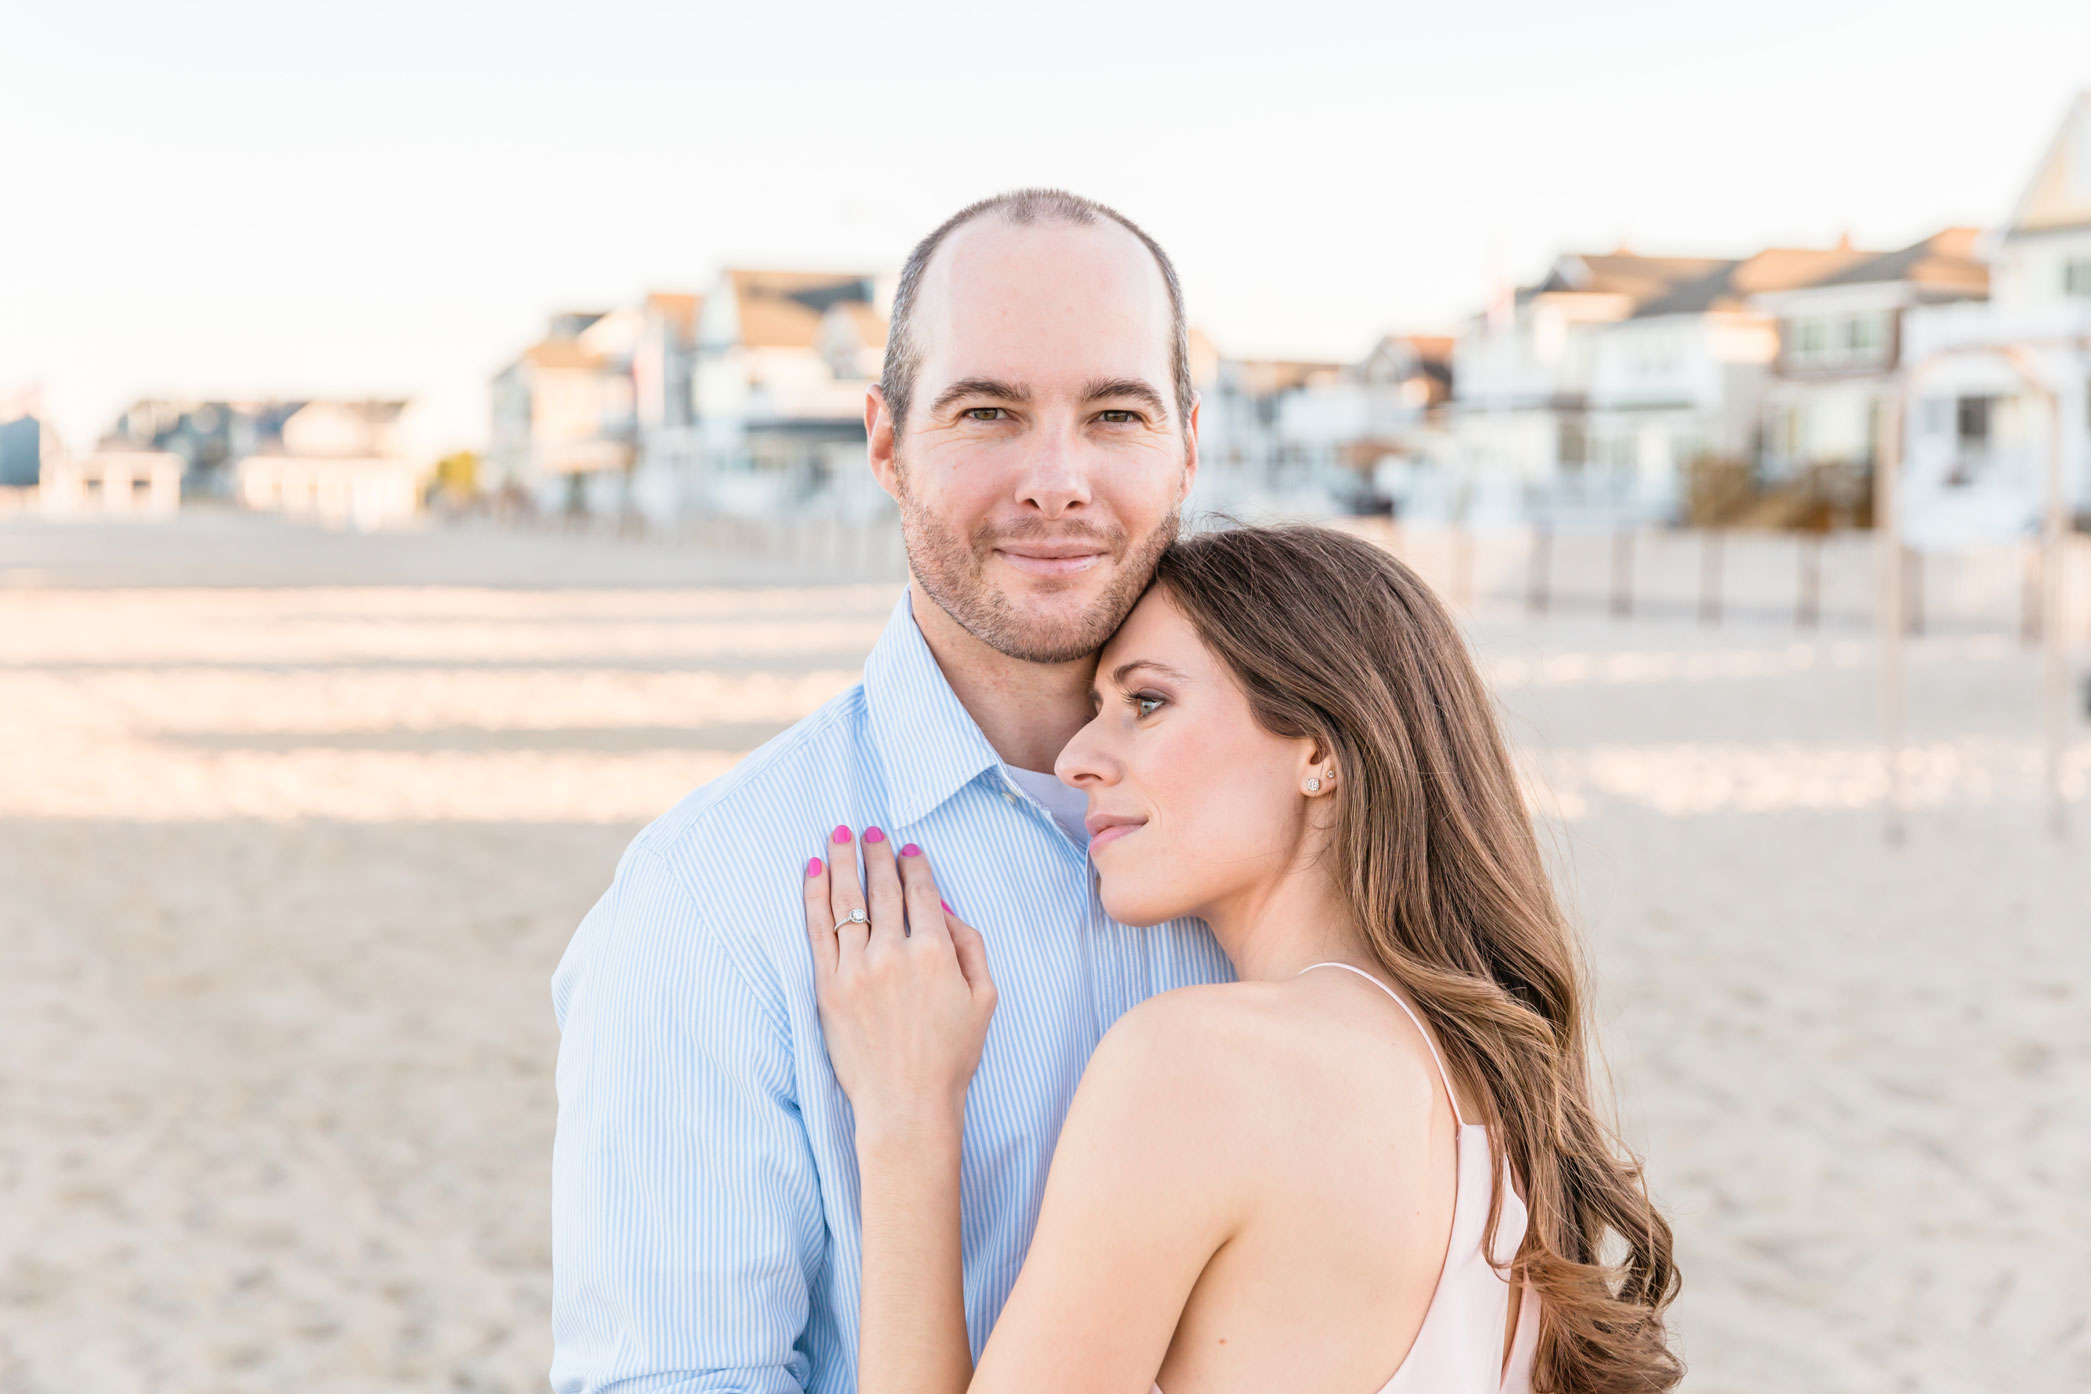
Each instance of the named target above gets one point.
<point>1027,711</point>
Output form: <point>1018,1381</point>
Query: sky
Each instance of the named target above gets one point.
<point>302,199</point>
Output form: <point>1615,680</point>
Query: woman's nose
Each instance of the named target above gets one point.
<point>1084,760</point>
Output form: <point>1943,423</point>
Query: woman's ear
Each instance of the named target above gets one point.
<point>1317,771</point>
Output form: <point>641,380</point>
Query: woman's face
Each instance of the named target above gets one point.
<point>1194,809</point>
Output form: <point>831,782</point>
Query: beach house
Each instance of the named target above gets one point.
<point>1840,358</point>
<point>1998,388</point>
<point>209,436</point>
<point>1287,435</point>
<point>22,436</point>
<point>342,463</point>
<point>1521,382</point>
<point>564,426</point>
<point>1675,389</point>
<point>781,365</point>
<point>666,449</point>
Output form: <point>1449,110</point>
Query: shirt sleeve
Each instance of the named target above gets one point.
<point>686,1217</point>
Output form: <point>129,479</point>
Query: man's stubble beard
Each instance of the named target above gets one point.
<point>951,569</point>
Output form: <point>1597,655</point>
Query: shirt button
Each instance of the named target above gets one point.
<point>1009,794</point>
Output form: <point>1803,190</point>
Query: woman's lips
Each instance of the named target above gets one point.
<point>1112,832</point>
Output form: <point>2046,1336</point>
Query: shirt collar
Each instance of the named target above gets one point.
<point>928,745</point>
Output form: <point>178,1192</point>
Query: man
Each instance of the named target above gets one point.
<point>1036,424</point>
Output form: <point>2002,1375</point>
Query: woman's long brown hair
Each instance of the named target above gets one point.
<point>1334,639</point>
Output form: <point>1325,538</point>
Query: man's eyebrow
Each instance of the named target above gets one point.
<point>1119,674</point>
<point>980,387</point>
<point>1139,391</point>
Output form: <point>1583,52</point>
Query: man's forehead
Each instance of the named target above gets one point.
<point>1059,304</point>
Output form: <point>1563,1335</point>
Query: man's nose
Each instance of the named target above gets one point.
<point>1055,480</point>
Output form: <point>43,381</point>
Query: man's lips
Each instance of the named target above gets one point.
<point>1109,827</point>
<point>1051,558</point>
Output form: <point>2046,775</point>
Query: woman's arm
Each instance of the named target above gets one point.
<point>1149,1180</point>
<point>904,998</point>
<point>912,1313</point>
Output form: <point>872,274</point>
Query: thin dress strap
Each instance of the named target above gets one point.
<point>1428,1044</point>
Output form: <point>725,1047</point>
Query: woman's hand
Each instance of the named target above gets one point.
<point>902,984</point>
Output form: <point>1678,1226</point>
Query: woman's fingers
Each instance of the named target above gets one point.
<point>818,935</point>
<point>846,896</point>
<point>936,923</point>
<point>971,948</point>
<point>925,908</point>
<point>882,891</point>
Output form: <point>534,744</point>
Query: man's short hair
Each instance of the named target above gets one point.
<point>1020,206</point>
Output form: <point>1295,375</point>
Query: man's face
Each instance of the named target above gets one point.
<point>1043,463</point>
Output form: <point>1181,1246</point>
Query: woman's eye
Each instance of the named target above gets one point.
<point>983,413</point>
<point>1146,703</point>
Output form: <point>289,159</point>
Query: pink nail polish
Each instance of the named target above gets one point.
<point>841,833</point>
<point>947,907</point>
<point>813,869</point>
<point>872,834</point>
<point>911,850</point>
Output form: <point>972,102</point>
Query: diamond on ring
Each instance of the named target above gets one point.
<point>853,917</point>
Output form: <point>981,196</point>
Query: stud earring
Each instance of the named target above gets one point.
<point>1314,786</point>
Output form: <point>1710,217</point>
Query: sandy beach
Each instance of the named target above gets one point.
<point>294,827</point>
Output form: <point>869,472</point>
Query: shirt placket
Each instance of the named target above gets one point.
<point>1103,946</point>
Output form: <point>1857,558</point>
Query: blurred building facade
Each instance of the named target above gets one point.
<point>344,464</point>
<point>564,420</point>
<point>2004,381</point>
<point>25,438</point>
<point>1841,358</point>
<point>1296,436</point>
<point>1620,388</point>
<point>783,362</point>
<point>111,482</point>
<point>747,400</point>
<point>209,436</point>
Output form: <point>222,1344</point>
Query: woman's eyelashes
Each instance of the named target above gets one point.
<point>1146,703</point>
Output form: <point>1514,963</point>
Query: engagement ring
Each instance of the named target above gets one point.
<point>853,917</point>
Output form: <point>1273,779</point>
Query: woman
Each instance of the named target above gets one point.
<point>1373,1162</point>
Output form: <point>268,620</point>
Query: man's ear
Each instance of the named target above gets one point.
<point>1190,447</point>
<point>878,436</point>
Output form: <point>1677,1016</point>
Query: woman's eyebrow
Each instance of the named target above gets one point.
<point>1118,674</point>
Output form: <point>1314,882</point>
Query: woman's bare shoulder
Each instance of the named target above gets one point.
<point>1173,1101</point>
<point>1212,1059</point>
<point>1236,1060</point>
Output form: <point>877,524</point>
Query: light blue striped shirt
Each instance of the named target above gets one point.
<point>705,1227</point>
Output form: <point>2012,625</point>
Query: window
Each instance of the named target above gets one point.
<point>2076,276</point>
<point>1811,339</point>
<point>1865,335</point>
<point>1972,421</point>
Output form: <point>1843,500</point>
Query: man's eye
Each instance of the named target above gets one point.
<point>1117,418</point>
<point>983,413</point>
